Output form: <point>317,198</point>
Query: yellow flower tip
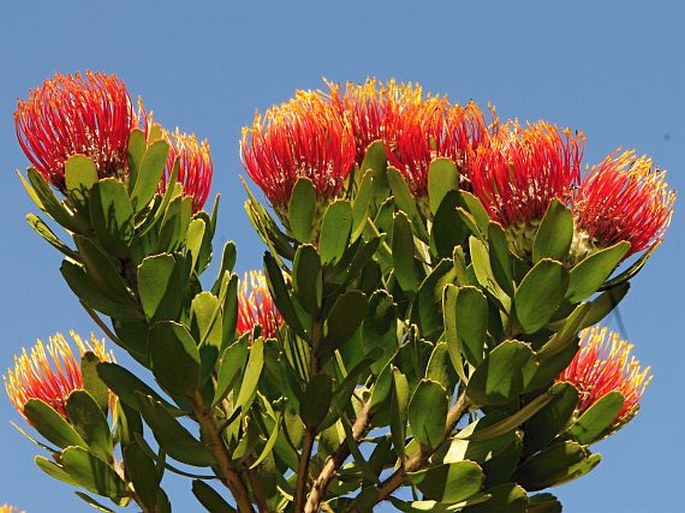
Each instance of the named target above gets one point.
<point>6,508</point>
<point>256,306</point>
<point>50,372</point>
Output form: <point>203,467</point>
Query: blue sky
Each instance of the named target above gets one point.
<point>614,69</point>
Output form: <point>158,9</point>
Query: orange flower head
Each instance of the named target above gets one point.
<point>624,199</point>
<point>522,170</point>
<point>256,306</point>
<point>6,508</point>
<point>195,166</point>
<point>371,106</point>
<point>602,365</point>
<point>50,372</point>
<point>90,115</point>
<point>431,129</point>
<point>304,137</point>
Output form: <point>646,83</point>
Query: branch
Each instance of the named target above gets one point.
<point>334,461</point>
<point>216,444</point>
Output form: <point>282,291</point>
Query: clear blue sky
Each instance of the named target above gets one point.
<point>617,71</point>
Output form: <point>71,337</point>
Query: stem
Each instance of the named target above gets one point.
<point>310,432</point>
<point>419,459</point>
<point>334,461</point>
<point>216,444</point>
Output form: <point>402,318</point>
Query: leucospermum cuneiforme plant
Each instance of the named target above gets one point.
<point>424,331</point>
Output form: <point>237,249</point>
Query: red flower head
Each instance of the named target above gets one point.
<point>256,306</point>
<point>370,107</point>
<point>521,171</point>
<point>424,131</point>
<point>195,166</point>
<point>305,137</point>
<point>602,365</point>
<point>71,114</point>
<point>624,199</point>
<point>50,373</point>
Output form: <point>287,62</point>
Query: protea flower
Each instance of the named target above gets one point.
<point>304,137</point>
<point>256,306</point>
<point>73,114</point>
<point>195,166</point>
<point>622,199</point>
<point>6,508</point>
<point>50,372</point>
<point>602,365</point>
<point>521,170</point>
<point>371,106</point>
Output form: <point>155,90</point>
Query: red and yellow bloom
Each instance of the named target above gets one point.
<point>90,115</point>
<point>50,372</point>
<point>256,306</point>
<point>304,137</point>
<point>624,199</point>
<point>602,365</point>
<point>195,166</point>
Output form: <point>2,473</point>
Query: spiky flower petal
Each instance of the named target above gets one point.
<point>624,199</point>
<point>304,137</point>
<point>522,170</point>
<point>74,114</point>
<point>256,306</point>
<point>50,372</point>
<point>195,166</point>
<point>602,365</point>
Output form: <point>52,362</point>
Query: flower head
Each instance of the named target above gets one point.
<point>522,170</point>
<point>74,114</point>
<point>304,137</point>
<point>624,199</point>
<point>195,166</point>
<point>6,508</point>
<point>50,372</point>
<point>602,365</point>
<point>256,306</point>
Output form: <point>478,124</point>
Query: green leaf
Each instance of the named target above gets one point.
<point>604,305</point>
<point>589,274</point>
<point>426,310</point>
<point>406,270</point>
<point>93,503</point>
<point>376,160</point>
<point>307,278</point>
<point>148,179</point>
<point>80,174</point>
<point>379,329</point>
<point>210,498</point>
<point>427,413</point>
<point>442,178</point>
<point>158,286</point>
<point>302,209</point>
<point>171,436</point>
<point>136,150</point>
<point>545,425</point>
<point>44,197</point>
<point>555,233</point>
<point>505,498</point>
<point>343,320</point>
<point>360,206</point>
<point>230,367</point>
<point>406,202</point>
<point>477,210</point>
<point>92,382</point>
<point>54,470</point>
<point>399,400</point>
<point>539,294</point>
<point>253,371</point>
<point>281,295</point>
<point>449,482</point>
<point>504,374</point>
<point>124,384</point>
<point>555,465</point>
<point>143,473</point>
<point>112,216</point>
<point>500,259</point>
<point>439,368</point>
<point>335,231</point>
<point>543,503</point>
<point>51,424</point>
<point>93,474</point>
<point>195,236</point>
<point>49,236</point>
<point>466,322</point>
<point>90,422</point>
<point>597,419</point>
<point>316,400</point>
<point>448,229</point>
<point>480,260</point>
<point>174,356</point>
<point>635,268</point>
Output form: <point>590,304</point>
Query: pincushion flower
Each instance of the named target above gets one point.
<point>50,372</point>
<point>6,508</point>
<point>518,173</point>
<point>602,365</point>
<point>256,306</point>
<point>622,199</point>
<point>195,166</point>
<point>90,115</point>
<point>304,137</point>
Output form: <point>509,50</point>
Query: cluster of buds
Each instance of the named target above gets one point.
<point>604,365</point>
<point>93,115</point>
<point>50,372</point>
